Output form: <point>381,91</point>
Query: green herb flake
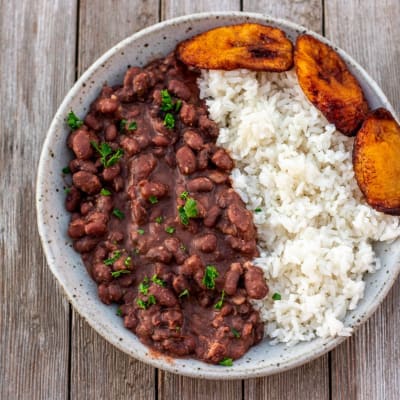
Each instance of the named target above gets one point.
<point>258,209</point>
<point>169,121</point>
<point>66,170</point>
<point>136,251</point>
<point>153,200</point>
<point>141,304</point>
<point>132,126</point>
<point>184,293</point>
<point>159,220</point>
<point>107,156</point>
<point>119,312</point>
<point>116,255</point>
<point>170,229</point>
<point>184,195</point>
<point>128,261</point>
<point>144,286</point>
<point>117,274</point>
<point>118,213</point>
<point>178,105</point>
<point>226,362</point>
<point>105,192</point>
<point>166,100</point>
<point>67,190</point>
<point>187,211</point>
<point>122,124</point>
<point>220,302</point>
<point>210,275</point>
<point>140,231</point>
<point>155,279</point>
<point>235,333</point>
<point>182,216</point>
<point>73,121</point>
<point>276,296</point>
<point>151,300</point>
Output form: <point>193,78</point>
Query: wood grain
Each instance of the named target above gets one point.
<point>303,12</point>
<point>34,316</point>
<point>310,381</point>
<point>98,370</point>
<point>367,365</point>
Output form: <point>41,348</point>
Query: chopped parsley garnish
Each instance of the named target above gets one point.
<point>166,100</point>
<point>105,192</point>
<point>235,333</point>
<point>117,274</point>
<point>220,302</point>
<point>157,280</point>
<point>170,229</point>
<point>122,124</point>
<point>119,312</point>
<point>226,362</point>
<point>276,296</point>
<point>184,293</point>
<point>169,121</point>
<point>210,274</point>
<point>144,286</point>
<point>67,190</point>
<point>73,121</point>
<point>144,304</point>
<point>108,156</point>
<point>187,211</point>
<point>66,170</point>
<point>153,199</point>
<point>258,209</point>
<point>128,261</point>
<point>178,105</point>
<point>118,213</point>
<point>140,231</point>
<point>184,195</point>
<point>116,255</point>
<point>132,126</point>
<point>159,220</point>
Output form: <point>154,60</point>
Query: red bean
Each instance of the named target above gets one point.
<point>186,160</point>
<point>87,182</point>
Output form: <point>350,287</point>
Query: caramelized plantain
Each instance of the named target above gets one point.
<point>329,85</point>
<point>376,161</point>
<point>251,46</point>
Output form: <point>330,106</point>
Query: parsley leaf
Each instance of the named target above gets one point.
<point>170,229</point>
<point>151,300</point>
<point>184,195</point>
<point>178,105</point>
<point>144,304</point>
<point>116,255</point>
<point>157,280</point>
<point>119,312</point>
<point>108,157</point>
<point>132,126</point>
<point>184,293</point>
<point>226,362</point>
<point>166,100</point>
<point>189,210</point>
<point>220,302</point>
<point>258,209</point>
<point>153,199</point>
<point>235,333</point>
<point>67,190</point>
<point>73,121</point>
<point>105,192</point>
<point>66,170</point>
<point>128,261</point>
<point>118,213</point>
<point>276,296</point>
<point>141,304</point>
<point>210,274</point>
<point>144,286</point>
<point>159,220</point>
<point>169,121</point>
<point>122,124</point>
<point>117,274</point>
<point>140,231</point>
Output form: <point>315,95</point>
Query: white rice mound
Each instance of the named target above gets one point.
<point>315,230</point>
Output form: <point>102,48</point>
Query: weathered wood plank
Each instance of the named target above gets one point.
<point>99,371</point>
<point>172,386</point>
<point>303,12</point>
<point>310,381</point>
<point>34,333</point>
<point>367,365</point>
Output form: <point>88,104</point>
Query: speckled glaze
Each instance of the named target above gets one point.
<point>53,219</point>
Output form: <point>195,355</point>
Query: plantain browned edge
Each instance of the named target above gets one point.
<point>379,114</point>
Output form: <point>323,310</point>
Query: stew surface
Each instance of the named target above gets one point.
<point>155,218</point>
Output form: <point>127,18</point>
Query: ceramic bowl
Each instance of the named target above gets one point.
<point>65,263</point>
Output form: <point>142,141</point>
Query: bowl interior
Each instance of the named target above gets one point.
<point>53,219</point>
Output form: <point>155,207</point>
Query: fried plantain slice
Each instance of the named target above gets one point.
<point>329,85</point>
<point>251,46</point>
<point>376,161</point>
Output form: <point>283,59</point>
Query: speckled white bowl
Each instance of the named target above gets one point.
<point>66,265</point>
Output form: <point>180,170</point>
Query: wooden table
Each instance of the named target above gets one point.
<point>47,350</point>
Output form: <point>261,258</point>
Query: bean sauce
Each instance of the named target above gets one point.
<point>157,223</point>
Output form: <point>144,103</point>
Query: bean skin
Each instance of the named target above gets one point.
<point>186,160</point>
<point>87,182</point>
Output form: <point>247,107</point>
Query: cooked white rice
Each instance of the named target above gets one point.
<point>315,230</point>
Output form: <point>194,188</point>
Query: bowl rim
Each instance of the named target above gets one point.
<point>161,362</point>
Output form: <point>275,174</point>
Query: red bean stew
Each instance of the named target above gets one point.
<point>157,223</point>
